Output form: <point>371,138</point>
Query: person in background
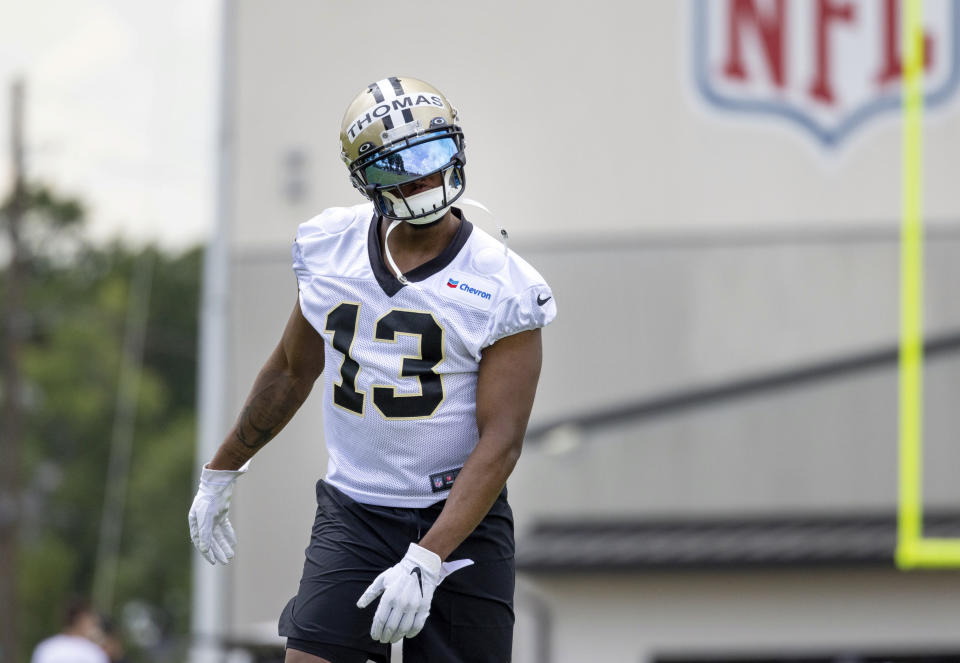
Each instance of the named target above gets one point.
<point>112,642</point>
<point>77,642</point>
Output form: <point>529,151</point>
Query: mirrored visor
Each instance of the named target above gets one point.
<point>411,163</point>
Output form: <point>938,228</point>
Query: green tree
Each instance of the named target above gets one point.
<point>77,297</point>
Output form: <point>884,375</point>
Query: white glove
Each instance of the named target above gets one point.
<point>210,529</point>
<point>407,591</point>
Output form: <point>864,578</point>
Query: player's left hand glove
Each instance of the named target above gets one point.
<point>407,591</point>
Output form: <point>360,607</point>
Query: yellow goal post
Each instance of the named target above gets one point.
<point>914,551</point>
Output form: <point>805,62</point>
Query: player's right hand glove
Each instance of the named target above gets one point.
<point>210,528</point>
<point>407,590</point>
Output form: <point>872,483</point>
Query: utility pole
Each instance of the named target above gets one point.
<point>11,427</point>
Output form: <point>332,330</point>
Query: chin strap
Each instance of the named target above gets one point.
<point>386,250</point>
<point>501,231</point>
<point>396,222</point>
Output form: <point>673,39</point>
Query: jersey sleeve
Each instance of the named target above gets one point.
<point>528,304</point>
<point>321,243</point>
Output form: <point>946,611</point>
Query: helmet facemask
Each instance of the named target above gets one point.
<point>387,176</point>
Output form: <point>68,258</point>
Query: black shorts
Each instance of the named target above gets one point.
<point>471,617</point>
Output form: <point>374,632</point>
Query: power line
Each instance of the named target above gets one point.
<point>121,444</point>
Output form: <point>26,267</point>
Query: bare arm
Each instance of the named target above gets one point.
<point>506,385</point>
<point>281,387</point>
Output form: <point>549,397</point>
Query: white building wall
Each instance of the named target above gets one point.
<point>578,116</point>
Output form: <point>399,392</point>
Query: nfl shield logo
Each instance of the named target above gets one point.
<point>827,66</point>
<point>438,482</point>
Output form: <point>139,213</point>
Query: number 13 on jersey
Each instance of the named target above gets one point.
<point>342,323</point>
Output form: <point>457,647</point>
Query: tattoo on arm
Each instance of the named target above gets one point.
<point>263,435</point>
<point>273,402</point>
<point>280,388</point>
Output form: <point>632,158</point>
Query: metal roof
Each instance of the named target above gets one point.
<point>597,545</point>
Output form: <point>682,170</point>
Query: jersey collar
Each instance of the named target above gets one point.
<point>388,281</point>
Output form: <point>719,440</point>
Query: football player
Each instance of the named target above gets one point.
<point>427,332</point>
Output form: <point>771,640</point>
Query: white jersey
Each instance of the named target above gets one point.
<point>68,649</point>
<point>400,379</point>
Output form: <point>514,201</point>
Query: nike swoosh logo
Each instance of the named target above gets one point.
<point>541,302</point>
<point>416,570</point>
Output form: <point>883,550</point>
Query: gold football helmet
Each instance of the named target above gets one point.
<point>397,131</point>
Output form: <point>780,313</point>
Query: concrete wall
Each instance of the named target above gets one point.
<point>655,317</point>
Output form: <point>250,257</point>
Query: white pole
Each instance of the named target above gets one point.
<point>209,619</point>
